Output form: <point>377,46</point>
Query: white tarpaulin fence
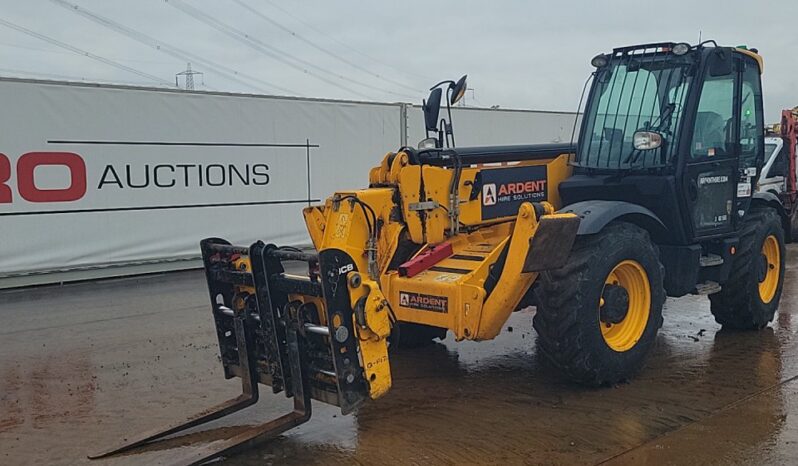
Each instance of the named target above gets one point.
<point>104,178</point>
<point>481,127</point>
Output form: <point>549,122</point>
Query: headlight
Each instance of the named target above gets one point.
<point>681,48</point>
<point>647,140</point>
<point>429,143</point>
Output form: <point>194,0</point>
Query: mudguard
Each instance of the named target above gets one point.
<point>767,197</point>
<point>771,200</point>
<point>595,215</point>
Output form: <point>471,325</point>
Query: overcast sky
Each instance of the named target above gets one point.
<point>518,54</point>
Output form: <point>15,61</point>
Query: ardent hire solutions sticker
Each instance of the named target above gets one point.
<point>424,302</point>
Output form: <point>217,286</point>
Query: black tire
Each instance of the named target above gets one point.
<point>410,335</point>
<point>568,314</point>
<point>739,305</point>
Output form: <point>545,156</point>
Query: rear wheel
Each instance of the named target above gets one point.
<point>748,300</point>
<point>598,316</point>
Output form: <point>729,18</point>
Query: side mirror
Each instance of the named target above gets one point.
<point>432,108</point>
<point>720,62</point>
<point>458,90</point>
<point>647,140</point>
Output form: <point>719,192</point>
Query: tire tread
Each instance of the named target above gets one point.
<point>561,302</point>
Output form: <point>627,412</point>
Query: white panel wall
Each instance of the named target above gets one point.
<point>164,169</point>
<point>481,127</point>
<point>114,223</point>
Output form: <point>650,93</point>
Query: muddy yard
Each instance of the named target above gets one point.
<point>82,366</point>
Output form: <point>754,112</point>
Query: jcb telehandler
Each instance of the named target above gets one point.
<point>656,198</point>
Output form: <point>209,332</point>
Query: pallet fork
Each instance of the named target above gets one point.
<point>265,336</point>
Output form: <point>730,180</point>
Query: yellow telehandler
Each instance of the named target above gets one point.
<point>657,197</point>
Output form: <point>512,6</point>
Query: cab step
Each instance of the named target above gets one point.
<point>710,260</point>
<point>707,288</point>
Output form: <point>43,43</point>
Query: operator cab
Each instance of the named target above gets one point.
<point>677,130</point>
<point>674,128</point>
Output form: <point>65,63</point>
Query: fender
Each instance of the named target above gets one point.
<point>768,199</point>
<point>595,215</point>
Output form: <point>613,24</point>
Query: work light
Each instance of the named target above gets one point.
<point>681,48</point>
<point>599,61</point>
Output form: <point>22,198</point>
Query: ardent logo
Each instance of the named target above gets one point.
<point>489,194</point>
<point>522,187</point>
<point>505,189</point>
<point>424,302</point>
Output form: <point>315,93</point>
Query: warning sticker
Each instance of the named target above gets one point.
<point>424,302</point>
<point>505,189</point>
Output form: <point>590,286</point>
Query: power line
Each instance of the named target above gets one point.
<point>321,48</point>
<point>63,77</point>
<point>273,52</point>
<point>83,52</point>
<point>345,45</point>
<point>63,52</point>
<point>255,44</point>
<point>176,52</point>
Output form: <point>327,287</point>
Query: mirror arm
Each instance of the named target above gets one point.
<point>423,108</point>
<point>449,131</point>
<point>448,81</point>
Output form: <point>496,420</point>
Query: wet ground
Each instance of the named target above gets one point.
<point>84,365</point>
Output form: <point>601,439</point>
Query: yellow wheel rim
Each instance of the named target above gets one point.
<point>770,282</point>
<point>624,335</point>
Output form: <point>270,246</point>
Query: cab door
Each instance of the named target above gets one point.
<point>726,148</point>
<point>751,142</point>
<point>712,158</point>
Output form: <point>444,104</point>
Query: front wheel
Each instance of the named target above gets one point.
<point>598,316</point>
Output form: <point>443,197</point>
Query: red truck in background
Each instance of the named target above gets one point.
<point>780,170</point>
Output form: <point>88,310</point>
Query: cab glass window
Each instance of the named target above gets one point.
<point>751,119</point>
<point>714,120</point>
